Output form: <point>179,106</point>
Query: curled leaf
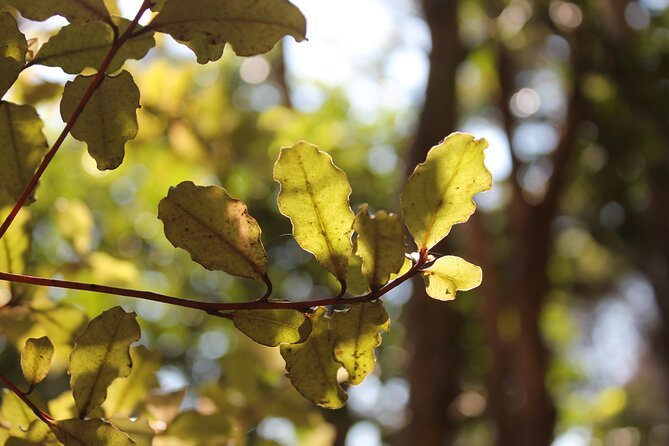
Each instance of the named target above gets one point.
<point>450,274</point>
<point>36,359</point>
<point>272,327</point>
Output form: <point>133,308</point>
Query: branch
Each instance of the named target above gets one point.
<point>39,413</point>
<point>95,83</point>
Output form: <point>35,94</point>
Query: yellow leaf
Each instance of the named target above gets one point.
<point>12,51</point>
<point>215,229</point>
<point>449,274</point>
<point>36,359</point>
<point>15,413</point>
<point>72,10</point>
<point>37,434</point>
<point>380,243</point>
<point>100,355</point>
<point>312,367</point>
<point>14,249</point>
<point>439,192</point>
<point>272,327</point>
<point>77,432</point>
<point>124,394</point>
<point>314,195</point>
<point>191,428</point>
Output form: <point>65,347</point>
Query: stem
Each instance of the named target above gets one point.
<point>39,413</point>
<point>95,83</point>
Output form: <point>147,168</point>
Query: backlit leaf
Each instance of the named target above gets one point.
<point>37,434</point>
<point>13,48</point>
<point>124,394</point>
<point>72,10</point>
<point>439,192</point>
<point>36,359</point>
<point>77,432</point>
<point>312,367</point>
<point>204,51</point>
<point>272,327</point>
<point>314,195</point>
<point>108,120</point>
<point>249,27</point>
<point>14,249</point>
<point>380,243</point>
<point>22,148</point>
<point>15,413</point>
<point>215,229</point>
<point>449,274</point>
<point>83,45</point>
<point>138,430</point>
<point>355,335</point>
<point>100,355</point>
<point>191,428</point>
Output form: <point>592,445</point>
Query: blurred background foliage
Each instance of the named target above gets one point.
<point>567,341</point>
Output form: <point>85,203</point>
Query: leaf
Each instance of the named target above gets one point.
<point>165,406</point>
<point>314,195</point>
<point>36,359</point>
<point>14,251</point>
<point>100,355</point>
<point>439,192</point>
<point>22,148</point>
<point>272,327</point>
<point>15,413</point>
<point>13,49</point>
<point>72,10</point>
<point>449,274</point>
<point>109,119</point>
<point>380,243</point>
<point>76,432</point>
<point>355,335</point>
<point>215,229</point>
<point>37,434</point>
<point>125,394</point>
<point>138,430</point>
<point>312,367</point>
<point>204,51</point>
<point>195,429</point>
<point>250,27</point>
<point>82,45</point>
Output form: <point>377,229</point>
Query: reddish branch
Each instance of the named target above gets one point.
<point>39,413</point>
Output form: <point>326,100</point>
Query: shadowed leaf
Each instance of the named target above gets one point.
<point>36,359</point>
<point>449,274</point>
<point>15,413</point>
<point>13,48</point>
<point>272,327</point>
<point>72,10</point>
<point>76,432</point>
<point>439,192</point>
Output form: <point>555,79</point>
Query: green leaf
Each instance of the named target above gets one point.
<point>195,429</point>
<point>22,148</point>
<point>314,195</point>
<point>205,51</point>
<point>355,335</point>
<point>13,49</point>
<point>83,45</point>
<point>250,27</point>
<point>37,434</point>
<point>312,367</point>
<point>439,192</point>
<point>100,355</point>
<point>109,119</point>
<point>36,359</point>
<point>215,229</point>
<point>139,430</point>
<point>72,10</point>
<point>76,432</point>
<point>272,327</point>
<point>14,252</point>
<point>15,413</point>
<point>380,243</point>
<point>449,274</point>
<point>125,394</point>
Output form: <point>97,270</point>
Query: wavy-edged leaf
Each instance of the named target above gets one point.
<point>314,195</point>
<point>450,274</point>
<point>204,50</point>
<point>14,251</point>
<point>380,244</point>
<point>125,394</point>
<point>439,192</point>
<point>215,229</point>
<point>22,148</point>
<point>355,334</point>
<point>37,434</point>
<point>101,354</point>
<point>312,367</point>
<point>108,120</point>
<point>36,359</point>
<point>72,10</point>
<point>249,27</point>
<point>272,327</point>
<point>13,49</point>
<point>84,45</point>
<point>77,432</point>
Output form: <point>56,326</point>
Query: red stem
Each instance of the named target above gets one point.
<point>39,413</point>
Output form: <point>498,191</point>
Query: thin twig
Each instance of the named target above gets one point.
<point>39,413</point>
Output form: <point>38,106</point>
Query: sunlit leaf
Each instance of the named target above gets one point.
<point>124,394</point>
<point>37,434</point>
<point>138,430</point>
<point>449,274</point>
<point>272,327</point>
<point>314,195</point>
<point>12,51</point>
<point>215,229</point>
<point>62,407</point>
<point>15,413</point>
<point>380,243</point>
<point>249,27</point>
<point>85,45</point>
<point>72,10</point>
<point>36,359</point>
<point>355,334</point>
<point>22,148</point>
<point>204,50</point>
<point>356,282</point>
<point>312,367</point>
<point>14,250</point>
<point>100,355</point>
<point>191,428</point>
<point>109,118</point>
<point>439,192</point>
<point>77,432</point>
